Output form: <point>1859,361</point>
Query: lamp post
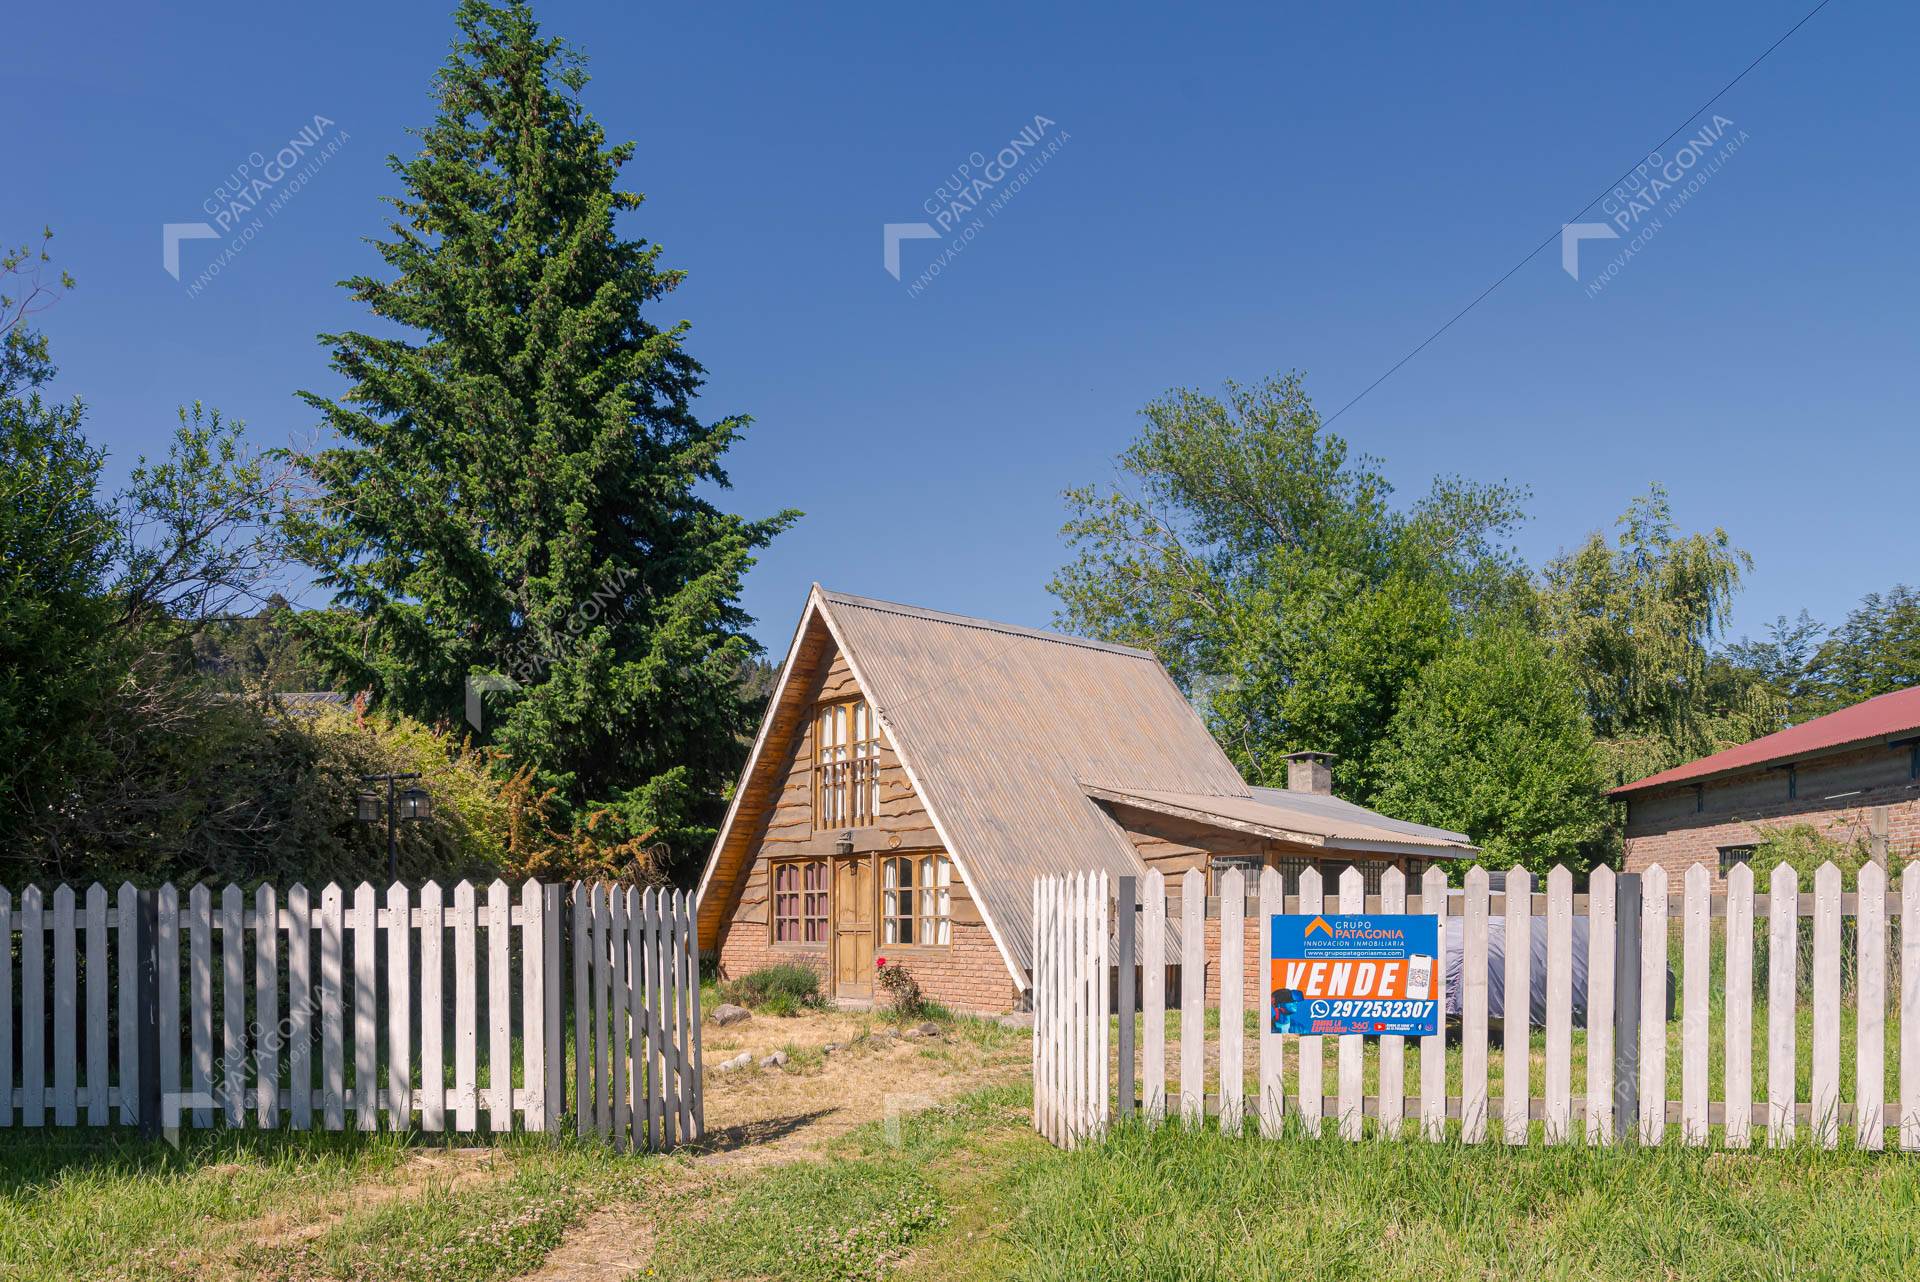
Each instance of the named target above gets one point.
<point>404,807</point>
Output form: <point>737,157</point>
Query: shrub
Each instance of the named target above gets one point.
<point>777,990</point>
<point>903,989</point>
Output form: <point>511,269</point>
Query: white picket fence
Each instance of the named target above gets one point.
<point>361,1008</point>
<point>1078,963</point>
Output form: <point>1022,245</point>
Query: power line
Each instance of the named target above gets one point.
<point>1531,254</point>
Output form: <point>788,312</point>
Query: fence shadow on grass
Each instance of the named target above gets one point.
<point>35,1159</point>
<point>763,1131</point>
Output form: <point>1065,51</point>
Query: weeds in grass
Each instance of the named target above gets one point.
<point>776,990</point>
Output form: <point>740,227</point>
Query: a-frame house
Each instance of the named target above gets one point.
<point>916,770</point>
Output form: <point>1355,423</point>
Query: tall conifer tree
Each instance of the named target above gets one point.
<point>517,485</point>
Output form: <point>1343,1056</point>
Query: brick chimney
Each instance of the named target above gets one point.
<point>1310,772</point>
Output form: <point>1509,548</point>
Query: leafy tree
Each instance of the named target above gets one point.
<point>103,738</point>
<point>1491,739</point>
<point>1876,651</point>
<point>1782,664</point>
<point>55,558</point>
<point>1271,573</point>
<point>519,487</point>
<point>1637,620</point>
<point>240,652</point>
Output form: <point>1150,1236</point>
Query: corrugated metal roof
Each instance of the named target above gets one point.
<point>1343,826</point>
<point>998,725</point>
<point>1333,808</point>
<point>1882,717</point>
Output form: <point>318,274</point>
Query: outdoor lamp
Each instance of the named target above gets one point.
<point>414,803</point>
<point>400,807</point>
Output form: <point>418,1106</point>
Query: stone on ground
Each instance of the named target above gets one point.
<point>727,1013</point>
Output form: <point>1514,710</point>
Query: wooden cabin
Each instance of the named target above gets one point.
<point>916,770</point>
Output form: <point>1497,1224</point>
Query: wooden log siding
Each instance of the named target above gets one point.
<point>1735,1107</point>
<point>248,983</point>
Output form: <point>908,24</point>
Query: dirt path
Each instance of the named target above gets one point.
<point>767,1117</point>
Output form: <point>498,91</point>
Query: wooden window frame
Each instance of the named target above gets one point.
<point>926,914</point>
<point>802,896</point>
<point>1290,868</point>
<point>846,790</point>
<point>1252,865</point>
<point>1373,874</point>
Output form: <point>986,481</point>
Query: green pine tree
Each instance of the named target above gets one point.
<point>517,490</point>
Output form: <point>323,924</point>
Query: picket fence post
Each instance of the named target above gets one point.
<point>1473,1009</point>
<point>1517,988</point>
<point>1653,1005</point>
<point>1273,1093</point>
<point>1153,979</point>
<point>1783,990</point>
<point>1433,1050</point>
<point>1696,940</point>
<point>1393,1084</point>
<point>1738,1055</point>
<point>1352,1046</point>
<point>1233,901</point>
<point>1870,1002</point>
<point>1559,1070</point>
<point>1310,1092</point>
<point>1825,1096</point>
<point>1601,889</point>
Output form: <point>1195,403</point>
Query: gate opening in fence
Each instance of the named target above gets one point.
<point>1742,1046</point>
<point>354,1009</point>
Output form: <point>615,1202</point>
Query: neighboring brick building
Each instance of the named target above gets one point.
<point>916,771</point>
<point>1853,775</point>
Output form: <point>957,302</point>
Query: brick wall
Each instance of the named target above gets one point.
<point>1866,795</point>
<point>1253,961</point>
<point>968,975</point>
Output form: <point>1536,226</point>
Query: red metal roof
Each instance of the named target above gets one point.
<point>1881,717</point>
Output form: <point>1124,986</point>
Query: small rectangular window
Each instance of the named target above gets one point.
<point>916,899</point>
<point>1731,855</point>
<point>800,902</point>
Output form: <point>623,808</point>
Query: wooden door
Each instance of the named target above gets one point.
<point>853,909</point>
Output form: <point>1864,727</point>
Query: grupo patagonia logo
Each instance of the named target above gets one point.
<point>1657,188</point>
<point>962,204</point>
<point>256,190</point>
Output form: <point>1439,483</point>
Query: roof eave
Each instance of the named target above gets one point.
<point>1156,806</point>
<point>1425,850</point>
<point>754,754</point>
<point>1655,782</point>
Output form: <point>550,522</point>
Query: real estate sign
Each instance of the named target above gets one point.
<point>1347,973</point>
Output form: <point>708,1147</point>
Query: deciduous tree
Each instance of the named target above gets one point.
<point>1491,739</point>
<point>1273,575</point>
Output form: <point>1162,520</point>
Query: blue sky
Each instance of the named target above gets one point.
<point>1239,191</point>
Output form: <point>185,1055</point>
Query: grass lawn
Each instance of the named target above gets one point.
<point>962,1191</point>
<point>88,1204</point>
<point>971,1194</point>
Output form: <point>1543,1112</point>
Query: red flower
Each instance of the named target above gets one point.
<point>878,962</point>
